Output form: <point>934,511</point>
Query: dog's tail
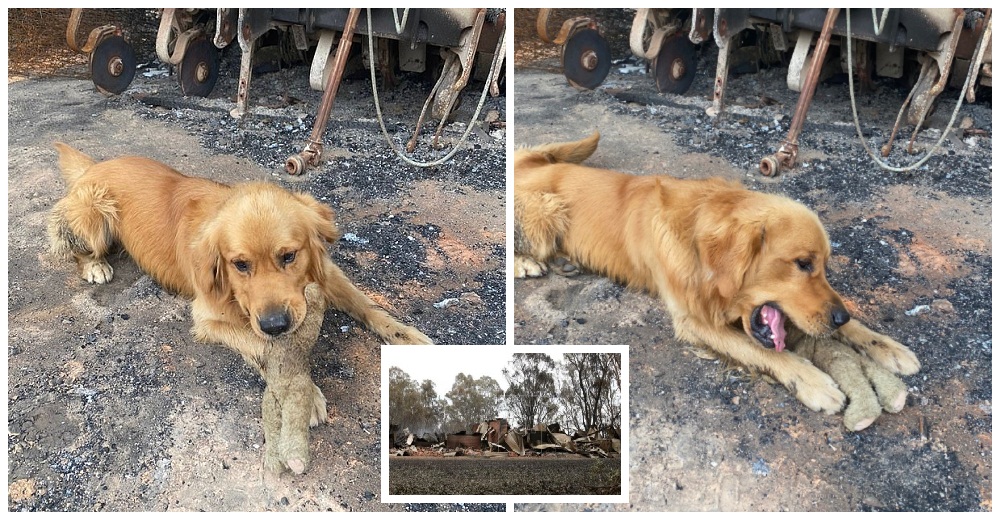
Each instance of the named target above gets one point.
<point>574,152</point>
<point>72,163</point>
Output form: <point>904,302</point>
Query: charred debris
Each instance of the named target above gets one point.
<point>497,438</point>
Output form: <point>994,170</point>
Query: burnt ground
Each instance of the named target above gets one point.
<point>706,438</point>
<point>113,406</point>
<point>547,475</point>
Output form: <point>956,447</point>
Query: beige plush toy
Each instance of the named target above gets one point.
<point>869,387</point>
<point>290,405</point>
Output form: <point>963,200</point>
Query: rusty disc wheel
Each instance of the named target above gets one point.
<point>674,65</point>
<point>586,59</point>
<point>199,68</point>
<point>112,65</point>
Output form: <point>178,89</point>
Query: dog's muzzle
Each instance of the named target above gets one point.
<point>274,323</point>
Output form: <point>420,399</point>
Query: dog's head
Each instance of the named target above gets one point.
<point>767,257</point>
<point>260,251</point>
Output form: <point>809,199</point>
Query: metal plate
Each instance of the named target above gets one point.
<point>199,68</point>
<point>586,59</point>
<point>112,65</point>
<point>674,65</point>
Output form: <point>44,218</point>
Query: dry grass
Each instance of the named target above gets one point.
<point>36,38</point>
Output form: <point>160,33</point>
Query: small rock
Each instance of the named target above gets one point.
<point>943,306</point>
<point>447,302</point>
<point>471,298</point>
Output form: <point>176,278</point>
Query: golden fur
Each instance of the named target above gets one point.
<point>243,254</point>
<point>714,252</point>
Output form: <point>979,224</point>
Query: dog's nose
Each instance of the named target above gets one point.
<point>839,317</point>
<point>274,323</point>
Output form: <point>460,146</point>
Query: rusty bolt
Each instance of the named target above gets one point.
<point>589,60</point>
<point>769,166</point>
<point>677,69</point>
<point>201,72</point>
<point>115,66</point>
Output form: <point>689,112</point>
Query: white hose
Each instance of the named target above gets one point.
<point>468,129</point>
<point>954,114</point>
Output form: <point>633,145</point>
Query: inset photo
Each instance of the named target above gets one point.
<point>519,424</point>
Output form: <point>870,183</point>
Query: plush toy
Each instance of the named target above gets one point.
<point>290,404</point>
<point>869,387</point>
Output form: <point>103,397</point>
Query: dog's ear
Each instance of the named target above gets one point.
<point>209,272</point>
<point>320,219</point>
<point>728,247</point>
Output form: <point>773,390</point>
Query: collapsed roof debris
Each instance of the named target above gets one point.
<point>496,437</point>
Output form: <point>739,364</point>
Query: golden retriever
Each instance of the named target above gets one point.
<point>733,267</point>
<point>242,254</point>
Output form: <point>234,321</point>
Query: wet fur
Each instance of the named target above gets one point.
<point>711,250</point>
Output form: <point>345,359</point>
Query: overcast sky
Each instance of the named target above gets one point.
<point>441,364</point>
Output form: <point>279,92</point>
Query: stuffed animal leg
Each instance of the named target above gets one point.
<point>869,387</point>
<point>292,403</point>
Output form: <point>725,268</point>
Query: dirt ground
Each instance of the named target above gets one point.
<point>114,407</point>
<point>547,475</point>
<point>704,438</point>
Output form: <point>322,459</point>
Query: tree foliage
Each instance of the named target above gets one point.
<point>412,405</point>
<point>531,392</point>
<point>472,401</point>
<point>592,390</point>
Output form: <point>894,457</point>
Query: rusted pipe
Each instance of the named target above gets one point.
<point>313,150</point>
<point>789,150</point>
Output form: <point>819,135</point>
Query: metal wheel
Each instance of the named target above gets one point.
<point>586,59</point>
<point>674,65</point>
<point>199,68</point>
<point>112,65</point>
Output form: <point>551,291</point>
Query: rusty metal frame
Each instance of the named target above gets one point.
<point>93,39</point>
<point>789,150</point>
<point>313,151</point>
<point>168,25</point>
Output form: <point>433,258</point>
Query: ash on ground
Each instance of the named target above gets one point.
<point>911,255</point>
<point>113,406</point>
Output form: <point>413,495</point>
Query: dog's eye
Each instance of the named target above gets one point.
<point>242,266</point>
<point>288,258</point>
<point>805,264</point>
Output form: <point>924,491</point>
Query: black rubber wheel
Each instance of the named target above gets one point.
<point>112,65</point>
<point>674,65</point>
<point>586,59</point>
<point>199,68</point>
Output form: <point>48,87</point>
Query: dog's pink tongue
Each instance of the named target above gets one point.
<point>776,321</point>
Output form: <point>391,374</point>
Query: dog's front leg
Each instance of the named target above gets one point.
<point>882,349</point>
<point>810,385</point>
<point>343,295</point>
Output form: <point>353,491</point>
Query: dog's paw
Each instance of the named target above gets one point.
<point>400,334</point>
<point>815,389</point>
<point>893,356</point>
<point>318,415</point>
<point>562,266</point>
<point>96,271</point>
<point>526,267</point>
